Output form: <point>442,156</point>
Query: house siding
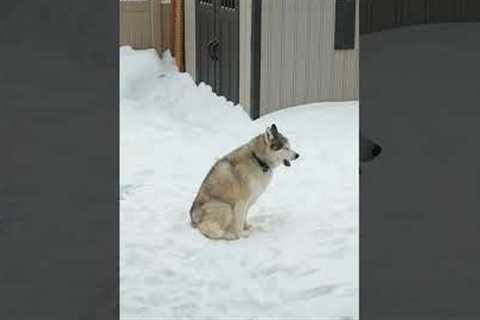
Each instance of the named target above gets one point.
<point>190,42</point>
<point>245,53</point>
<point>306,29</point>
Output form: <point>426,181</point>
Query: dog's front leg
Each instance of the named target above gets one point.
<point>239,215</point>
<point>248,228</point>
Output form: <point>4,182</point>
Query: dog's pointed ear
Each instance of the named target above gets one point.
<point>273,129</point>
<point>268,135</point>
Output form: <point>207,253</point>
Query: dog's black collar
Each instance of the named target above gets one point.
<point>261,163</point>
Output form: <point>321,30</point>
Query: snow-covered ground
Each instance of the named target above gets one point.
<point>302,260</point>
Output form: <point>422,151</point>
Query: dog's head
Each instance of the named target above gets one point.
<point>277,147</point>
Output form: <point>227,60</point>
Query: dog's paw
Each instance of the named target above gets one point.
<point>247,233</point>
<point>231,236</point>
<point>248,227</point>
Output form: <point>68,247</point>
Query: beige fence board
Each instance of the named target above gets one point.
<point>160,15</point>
<point>190,43</point>
<point>144,24</point>
<point>245,31</point>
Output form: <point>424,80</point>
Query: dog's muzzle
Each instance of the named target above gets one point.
<point>287,162</point>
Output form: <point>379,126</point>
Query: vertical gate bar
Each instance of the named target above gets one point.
<point>256,47</point>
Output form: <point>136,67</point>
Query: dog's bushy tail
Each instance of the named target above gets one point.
<point>194,219</point>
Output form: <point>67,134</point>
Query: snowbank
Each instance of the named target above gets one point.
<point>302,260</point>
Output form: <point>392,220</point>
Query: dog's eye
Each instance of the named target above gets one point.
<point>276,146</point>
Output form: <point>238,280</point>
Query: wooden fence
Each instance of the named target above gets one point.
<point>145,24</point>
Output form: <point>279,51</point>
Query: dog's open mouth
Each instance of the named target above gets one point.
<point>286,163</point>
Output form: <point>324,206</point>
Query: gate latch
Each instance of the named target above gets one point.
<point>212,48</point>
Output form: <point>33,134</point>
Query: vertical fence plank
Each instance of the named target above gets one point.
<point>144,24</point>
<point>179,35</point>
<point>156,16</point>
<point>190,38</point>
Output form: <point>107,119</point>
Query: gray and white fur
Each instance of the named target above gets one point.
<point>235,182</point>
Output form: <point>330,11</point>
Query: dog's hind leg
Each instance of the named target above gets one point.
<point>211,229</point>
<point>216,217</point>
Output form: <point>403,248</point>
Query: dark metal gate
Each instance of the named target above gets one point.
<point>217,46</point>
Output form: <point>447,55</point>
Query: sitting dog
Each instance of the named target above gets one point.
<point>235,182</point>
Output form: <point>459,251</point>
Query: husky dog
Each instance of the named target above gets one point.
<point>369,150</point>
<point>235,182</point>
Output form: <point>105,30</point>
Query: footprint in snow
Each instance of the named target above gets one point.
<point>127,190</point>
<point>308,272</point>
<point>339,253</point>
<point>267,222</point>
<point>271,271</point>
<point>184,309</point>
<point>316,292</point>
<point>146,173</point>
